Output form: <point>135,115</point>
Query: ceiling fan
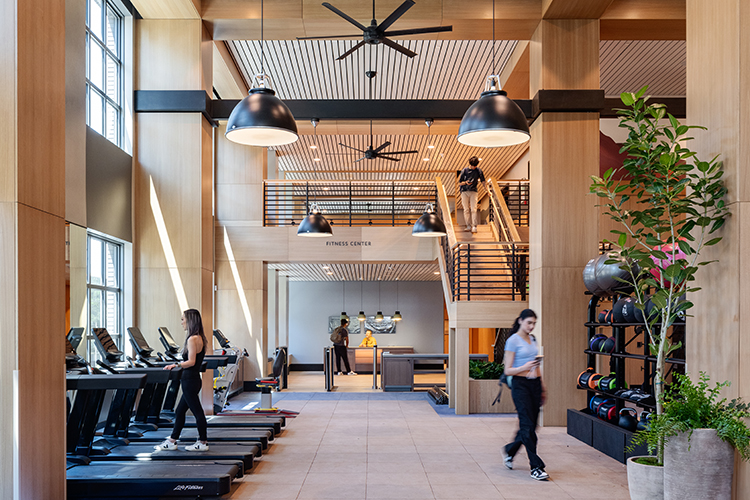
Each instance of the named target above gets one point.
<point>376,33</point>
<point>372,153</point>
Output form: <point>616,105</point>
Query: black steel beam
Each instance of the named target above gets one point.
<point>559,101</point>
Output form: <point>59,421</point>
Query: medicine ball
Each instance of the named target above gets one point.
<point>589,279</point>
<point>608,345</point>
<point>628,311</point>
<point>596,342</point>
<point>608,383</point>
<point>617,313</point>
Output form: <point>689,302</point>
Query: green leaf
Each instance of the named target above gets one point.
<point>627,98</point>
<point>641,91</point>
<point>623,239</point>
<point>712,242</point>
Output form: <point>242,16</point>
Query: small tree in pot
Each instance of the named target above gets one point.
<point>669,203</point>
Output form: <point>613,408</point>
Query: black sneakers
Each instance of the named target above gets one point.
<point>539,474</point>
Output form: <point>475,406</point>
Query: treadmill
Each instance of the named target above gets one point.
<point>114,447</point>
<point>274,421</point>
<point>143,480</point>
<point>261,433</point>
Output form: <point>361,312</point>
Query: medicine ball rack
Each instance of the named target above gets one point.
<point>584,425</point>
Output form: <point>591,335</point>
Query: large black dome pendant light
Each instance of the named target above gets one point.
<point>429,225</point>
<point>261,119</point>
<point>315,225</point>
<point>493,120</point>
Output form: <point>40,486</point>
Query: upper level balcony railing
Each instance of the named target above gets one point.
<point>347,203</point>
<point>516,195</point>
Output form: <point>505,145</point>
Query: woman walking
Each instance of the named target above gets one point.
<point>522,367</point>
<point>192,355</point>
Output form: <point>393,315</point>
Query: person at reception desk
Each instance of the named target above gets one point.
<point>369,340</point>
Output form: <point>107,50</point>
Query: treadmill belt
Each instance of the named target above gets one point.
<point>244,452</point>
<point>216,435</point>
<point>150,480</point>
<point>223,421</point>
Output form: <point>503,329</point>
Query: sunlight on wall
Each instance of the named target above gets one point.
<point>161,227</point>
<point>241,294</point>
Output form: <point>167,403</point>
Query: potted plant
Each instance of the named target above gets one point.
<point>669,204</point>
<point>484,388</point>
<point>699,433</point>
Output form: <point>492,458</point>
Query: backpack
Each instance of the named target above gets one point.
<point>336,336</point>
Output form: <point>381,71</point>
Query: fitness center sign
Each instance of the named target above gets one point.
<point>350,243</point>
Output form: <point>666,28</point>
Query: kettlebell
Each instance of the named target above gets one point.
<point>644,421</point>
<point>628,419</point>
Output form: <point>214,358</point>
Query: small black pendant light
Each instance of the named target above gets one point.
<point>397,316</point>
<point>493,120</point>
<point>429,225</point>
<point>379,316</point>
<point>261,119</point>
<point>315,225</point>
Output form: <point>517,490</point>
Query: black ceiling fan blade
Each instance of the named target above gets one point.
<point>355,161</point>
<point>341,14</point>
<point>417,31</point>
<point>350,147</point>
<point>389,158</point>
<point>400,11</point>
<point>395,46</point>
<point>327,37</point>
<point>400,152</point>
<point>348,52</point>
<point>382,147</point>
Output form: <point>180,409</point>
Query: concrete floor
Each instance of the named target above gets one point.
<point>375,445</point>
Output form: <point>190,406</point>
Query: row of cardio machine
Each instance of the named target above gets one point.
<point>120,409</point>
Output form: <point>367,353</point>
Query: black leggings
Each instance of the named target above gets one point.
<point>527,396</point>
<point>191,390</point>
<point>341,353</point>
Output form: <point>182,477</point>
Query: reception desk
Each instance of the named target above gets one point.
<point>397,372</point>
<point>360,358</point>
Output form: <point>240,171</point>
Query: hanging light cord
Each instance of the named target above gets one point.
<point>494,66</point>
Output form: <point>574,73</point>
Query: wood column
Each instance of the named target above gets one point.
<point>173,185</point>
<point>241,279</point>
<point>564,152</point>
<point>32,249</point>
<point>460,371</point>
<point>718,79</point>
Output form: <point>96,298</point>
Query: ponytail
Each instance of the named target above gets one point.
<point>526,313</point>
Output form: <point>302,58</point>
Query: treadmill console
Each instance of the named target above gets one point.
<point>167,340</point>
<point>223,341</point>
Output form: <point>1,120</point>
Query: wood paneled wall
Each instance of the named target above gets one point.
<point>564,152</point>
<point>173,185</point>
<point>718,78</point>
<point>32,249</point>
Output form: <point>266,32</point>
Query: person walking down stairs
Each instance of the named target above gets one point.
<point>468,181</point>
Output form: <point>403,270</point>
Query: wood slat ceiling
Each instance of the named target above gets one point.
<point>628,65</point>
<point>336,162</point>
<point>359,272</point>
<point>308,69</point>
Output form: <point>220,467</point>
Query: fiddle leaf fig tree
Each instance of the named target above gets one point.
<point>669,204</point>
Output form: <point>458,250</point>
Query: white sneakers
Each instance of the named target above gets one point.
<point>167,445</point>
<point>198,446</point>
<point>339,373</point>
<point>351,373</point>
<point>474,229</point>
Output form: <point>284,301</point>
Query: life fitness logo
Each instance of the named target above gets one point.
<point>186,487</point>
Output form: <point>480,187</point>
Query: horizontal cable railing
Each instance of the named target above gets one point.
<point>347,203</point>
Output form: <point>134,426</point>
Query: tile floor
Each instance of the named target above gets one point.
<point>375,445</point>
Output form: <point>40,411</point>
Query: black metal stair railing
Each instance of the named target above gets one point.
<point>347,203</point>
<point>516,195</point>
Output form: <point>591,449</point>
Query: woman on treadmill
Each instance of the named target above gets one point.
<point>192,354</point>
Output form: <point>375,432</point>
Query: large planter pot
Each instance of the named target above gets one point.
<point>698,469</point>
<point>483,392</point>
<point>645,482</point>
